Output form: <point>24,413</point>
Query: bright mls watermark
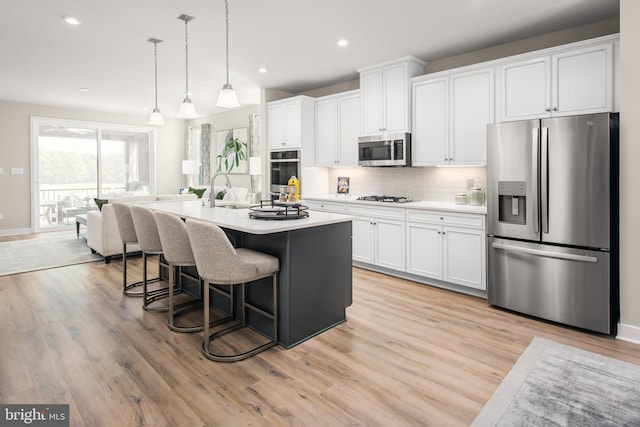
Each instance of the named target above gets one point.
<point>34,415</point>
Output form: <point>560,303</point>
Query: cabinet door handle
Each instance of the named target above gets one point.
<point>555,108</point>
<point>444,232</point>
<point>548,110</point>
<point>283,143</point>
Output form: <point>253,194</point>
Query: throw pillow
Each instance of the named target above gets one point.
<point>100,202</point>
<point>197,191</point>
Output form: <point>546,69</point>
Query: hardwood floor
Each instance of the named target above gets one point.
<point>409,354</point>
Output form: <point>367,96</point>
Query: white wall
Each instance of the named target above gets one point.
<point>15,190</point>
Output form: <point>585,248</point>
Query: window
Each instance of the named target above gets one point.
<point>74,162</point>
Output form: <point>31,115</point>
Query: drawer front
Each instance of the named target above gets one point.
<point>376,212</point>
<point>446,218</point>
<point>319,205</point>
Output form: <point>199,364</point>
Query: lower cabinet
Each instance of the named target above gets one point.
<point>324,206</point>
<point>379,242</point>
<point>378,236</point>
<point>448,247</point>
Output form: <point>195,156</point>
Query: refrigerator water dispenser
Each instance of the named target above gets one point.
<point>512,202</point>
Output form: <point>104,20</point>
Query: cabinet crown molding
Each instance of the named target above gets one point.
<point>402,60</point>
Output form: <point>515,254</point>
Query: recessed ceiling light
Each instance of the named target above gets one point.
<point>84,89</point>
<point>343,42</point>
<point>262,70</point>
<point>71,20</point>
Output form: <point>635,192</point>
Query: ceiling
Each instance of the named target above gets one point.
<point>46,61</point>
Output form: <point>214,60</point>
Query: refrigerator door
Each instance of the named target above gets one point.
<point>569,286</point>
<point>575,181</point>
<point>513,151</point>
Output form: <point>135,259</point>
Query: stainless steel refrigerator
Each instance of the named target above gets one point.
<point>552,219</point>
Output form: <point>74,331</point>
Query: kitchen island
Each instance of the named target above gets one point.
<point>315,279</point>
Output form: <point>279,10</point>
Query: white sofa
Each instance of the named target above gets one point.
<point>102,231</point>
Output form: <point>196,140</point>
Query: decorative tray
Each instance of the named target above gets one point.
<point>275,210</point>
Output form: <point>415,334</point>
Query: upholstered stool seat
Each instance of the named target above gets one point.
<point>178,254</point>
<point>219,263</point>
<point>149,241</point>
<point>127,231</point>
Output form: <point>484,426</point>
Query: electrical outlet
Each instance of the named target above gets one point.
<point>1,171</point>
<point>1,215</point>
<point>17,171</point>
<point>469,183</point>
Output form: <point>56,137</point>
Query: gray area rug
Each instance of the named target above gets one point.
<point>552,384</point>
<point>39,254</point>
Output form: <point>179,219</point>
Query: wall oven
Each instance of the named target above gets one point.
<point>385,150</point>
<point>282,166</point>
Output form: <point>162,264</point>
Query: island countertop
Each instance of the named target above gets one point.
<point>239,220</point>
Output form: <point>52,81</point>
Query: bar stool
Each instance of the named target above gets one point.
<point>177,252</point>
<point>149,240</point>
<point>127,231</point>
<point>219,263</point>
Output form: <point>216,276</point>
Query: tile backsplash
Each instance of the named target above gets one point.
<point>439,184</point>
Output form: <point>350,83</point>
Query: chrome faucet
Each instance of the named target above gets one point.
<point>212,195</point>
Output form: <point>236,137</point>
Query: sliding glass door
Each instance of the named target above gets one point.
<point>75,162</point>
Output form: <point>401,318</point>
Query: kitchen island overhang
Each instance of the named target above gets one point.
<point>315,278</point>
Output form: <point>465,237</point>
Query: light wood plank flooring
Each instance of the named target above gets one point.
<point>409,354</point>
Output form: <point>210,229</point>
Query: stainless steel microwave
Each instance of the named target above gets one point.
<point>385,150</point>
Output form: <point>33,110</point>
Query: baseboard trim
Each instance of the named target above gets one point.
<point>628,333</point>
<point>15,231</point>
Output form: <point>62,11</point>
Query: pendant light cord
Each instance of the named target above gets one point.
<point>155,55</point>
<point>226,2</point>
<point>186,50</point>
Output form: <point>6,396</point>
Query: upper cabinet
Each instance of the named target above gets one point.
<point>290,125</point>
<point>576,81</point>
<point>385,95</point>
<point>450,116</point>
<point>337,129</point>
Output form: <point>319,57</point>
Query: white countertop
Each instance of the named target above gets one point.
<point>441,206</point>
<point>238,219</point>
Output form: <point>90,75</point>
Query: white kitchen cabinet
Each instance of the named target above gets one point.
<point>450,117</point>
<point>337,129</point>
<point>571,81</point>
<point>326,206</point>
<point>424,249</point>
<point>378,236</point>
<point>385,95</point>
<point>446,246</point>
<point>464,257</point>
<point>291,125</point>
<point>430,136</point>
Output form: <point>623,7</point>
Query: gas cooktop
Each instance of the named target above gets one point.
<point>389,199</point>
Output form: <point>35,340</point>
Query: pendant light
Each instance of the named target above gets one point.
<point>156,116</point>
<point>227,97</point>
<point>187,110</point>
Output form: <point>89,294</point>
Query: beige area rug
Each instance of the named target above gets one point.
<point>21,256</point>
<point>553,384</point>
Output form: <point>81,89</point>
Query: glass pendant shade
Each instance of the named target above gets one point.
<point>227,97</point>
<point>156,118</point>
<point>187,110</point>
